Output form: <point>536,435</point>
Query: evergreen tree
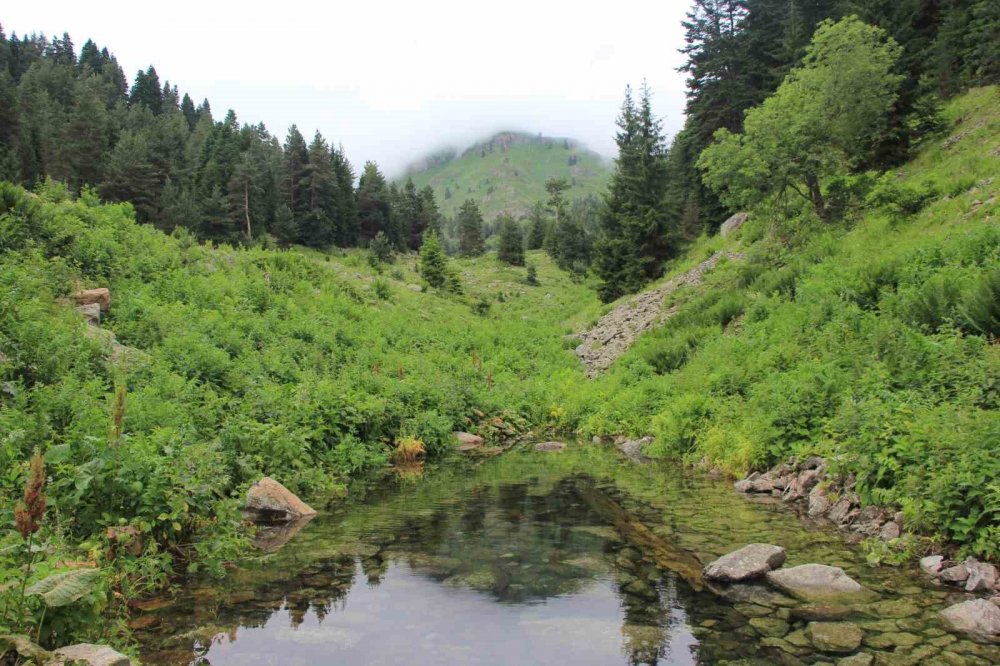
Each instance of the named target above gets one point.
<point>346,215</point>
<point>510,249</point>
<point>295,177</point>
<point>374,207</point>
<point>429,213</point>
<point>537,227</point>
<point>317,227</point>
<point>637,233</point>
<point>433,264</point>
<point>146,90</point>
<point>190,114</point>
<point>470,230</point>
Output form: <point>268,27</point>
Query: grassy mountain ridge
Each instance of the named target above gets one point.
<point>507,172</point>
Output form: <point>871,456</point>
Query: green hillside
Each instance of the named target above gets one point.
<point>507,173</point>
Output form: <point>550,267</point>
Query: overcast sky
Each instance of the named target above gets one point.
<point>392,81</point>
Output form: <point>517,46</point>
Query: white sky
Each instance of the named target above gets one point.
<point>394,80</point>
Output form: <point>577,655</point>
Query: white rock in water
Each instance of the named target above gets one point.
<point>816,582</point>
<point>747,562</point>
<point>978,616</point>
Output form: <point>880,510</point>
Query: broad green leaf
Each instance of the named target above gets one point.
<point>64,588</point>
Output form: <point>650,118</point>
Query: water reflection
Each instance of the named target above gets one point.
<point>530,559</point>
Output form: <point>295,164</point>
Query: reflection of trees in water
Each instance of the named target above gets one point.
<point>514,541</point>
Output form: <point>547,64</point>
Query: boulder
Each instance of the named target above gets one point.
<point>870,521</point>
<point>932,564</point>
<point>954,574</point>
<point>978,617</point>
<point>834,636</point>
<point>982,576</point>
<point>550,446</point>
<point>890,531</point>
<point>467,441</point>
<point>802,484</point>
<point>89,654</point>
<point>632,449</point>
<point>845,510</point>
<point>819,501</point>
<point>748,562</point>
<point>816,582</point>
<point>270,500</point>
<point>101,296</point>
<point>91,313</point>
<point>733,223</point>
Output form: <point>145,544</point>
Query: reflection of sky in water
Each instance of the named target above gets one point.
<point>409,619</point>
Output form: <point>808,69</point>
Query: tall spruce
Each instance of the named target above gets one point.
<point>374,203</point>
<point>638,233</point>
<point>470,230</point>
<point>510,248</point>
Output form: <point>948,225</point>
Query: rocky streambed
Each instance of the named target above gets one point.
<point>561,555</point>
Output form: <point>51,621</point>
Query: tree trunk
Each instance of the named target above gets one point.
<point>816,196</point>
<point>246,211</point>
<point>635,532</point>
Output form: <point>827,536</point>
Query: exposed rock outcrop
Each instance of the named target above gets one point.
<point>617,330</point>
<point>748,562</point>
<point>733,223</point>
<point>101,296</point>
<point>269,500</point>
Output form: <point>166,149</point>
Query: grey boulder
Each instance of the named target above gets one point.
<point>816,582</point>
<point>978,617</point>
<point>748,562</point>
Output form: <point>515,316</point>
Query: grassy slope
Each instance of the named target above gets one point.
<point>851,341</point>
<point>250,361</point>
<point>512,179</point>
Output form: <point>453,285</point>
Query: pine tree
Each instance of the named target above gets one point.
<point>637,232</point>
<point>317,226</point>
<point>190,114</point>
<point>510,249</point>
<point>346,215</point>
<point>537,227</point>
<point>295,177</point>
<point>470,230</point>
<point>429,212</point>
<point>374,207</point>
<point>433,264</point>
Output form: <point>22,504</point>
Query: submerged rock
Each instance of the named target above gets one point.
<point>978,617</point>
<point>268,499</point>
<point>816,582</point>
<point>860,659</point>
<point>748,562</point>
<point>834,636</point>
<point>550,446</point>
